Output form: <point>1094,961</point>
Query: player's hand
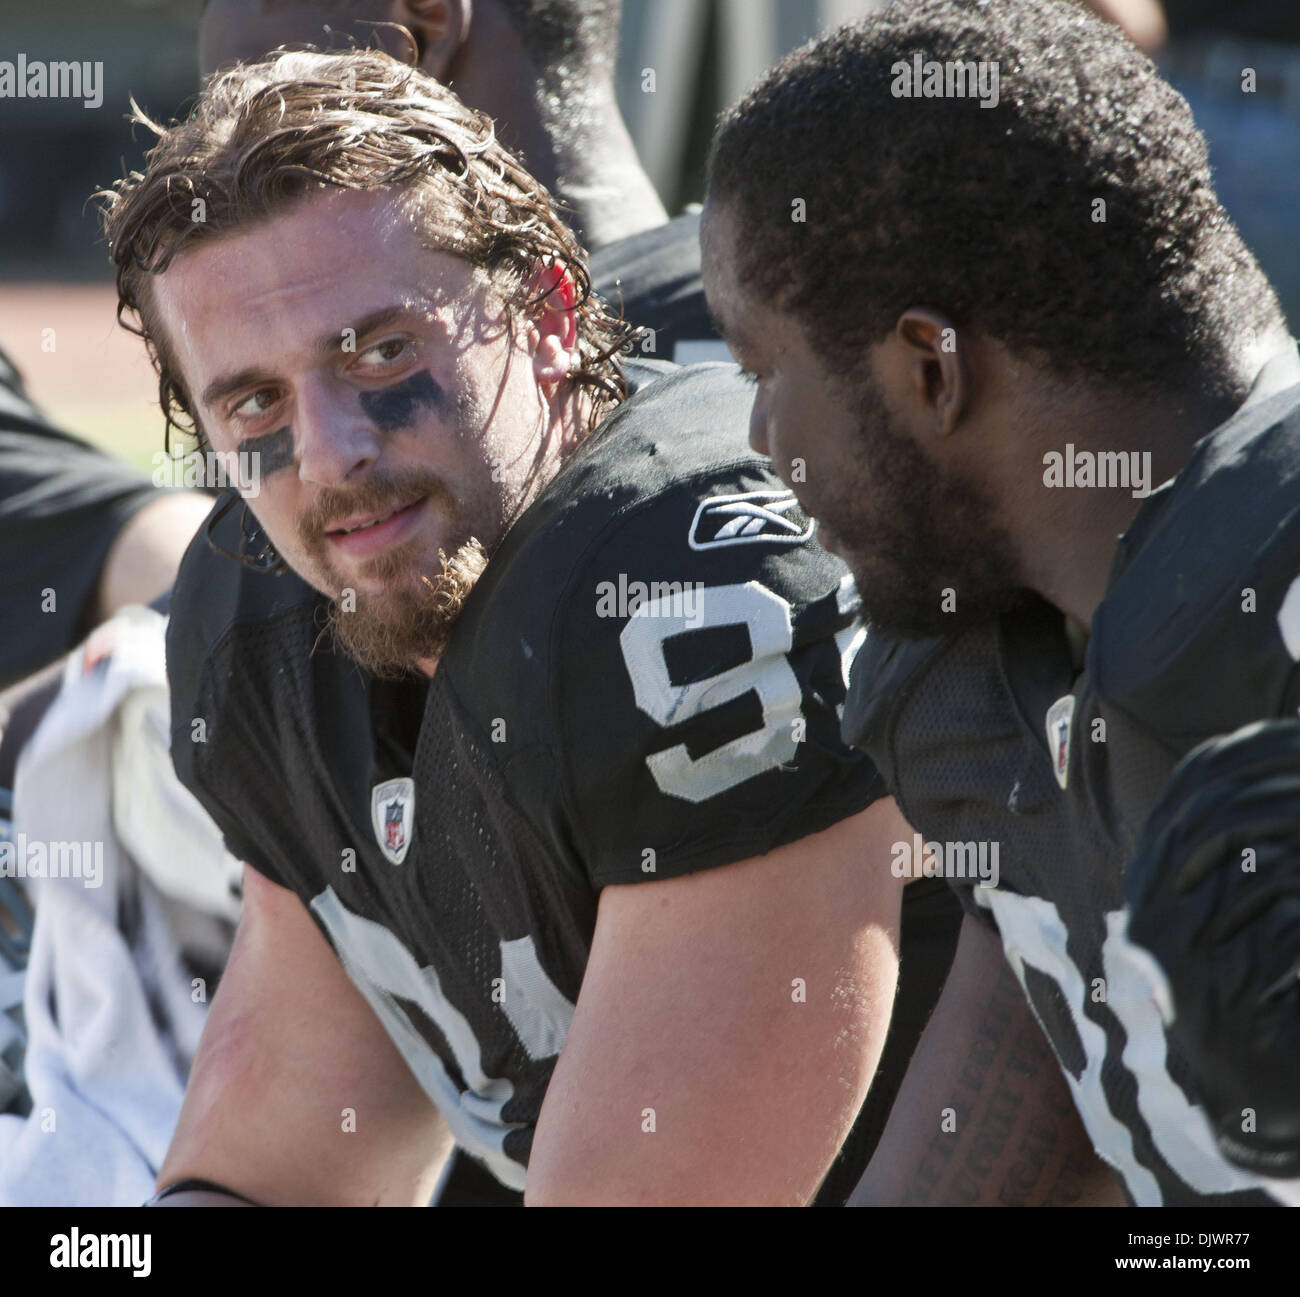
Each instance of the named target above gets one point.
<point>1214,894</point>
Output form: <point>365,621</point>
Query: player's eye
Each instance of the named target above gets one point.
<point>749,376</point>
<point>255,404</point>
<point>384,354</point>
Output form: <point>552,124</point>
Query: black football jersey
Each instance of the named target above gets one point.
<point>646,681</point>
<point>62,505</point>
<point>996,737</point>
<point>653,279</point>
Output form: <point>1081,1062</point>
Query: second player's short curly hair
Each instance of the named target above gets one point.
<point>264,135</point>
<point>991,214</point>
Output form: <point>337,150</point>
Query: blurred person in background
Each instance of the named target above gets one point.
<point>81,536</point>
<point>1237,63</point>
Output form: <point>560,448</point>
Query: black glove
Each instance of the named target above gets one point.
<point>1227,937</point>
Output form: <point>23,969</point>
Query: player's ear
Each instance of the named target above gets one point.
<point>440,27</point>
<point>554,320</point>
<point>929,358</point>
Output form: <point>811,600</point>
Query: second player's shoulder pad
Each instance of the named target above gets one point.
<point>667,611</point>
<point>952,721</point>
<point>884,673</point>
<point>1208,588</point>
<point>1214,893</point>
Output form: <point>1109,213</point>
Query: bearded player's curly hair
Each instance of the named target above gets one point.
<point>264,135</point>
<point>987,213</point>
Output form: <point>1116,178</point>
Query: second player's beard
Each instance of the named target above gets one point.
<point>410,622</point>
<point>909,534</point>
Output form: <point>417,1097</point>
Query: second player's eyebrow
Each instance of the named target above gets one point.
<point>326,344</point>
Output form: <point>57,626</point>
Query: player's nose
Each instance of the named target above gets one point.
<point>335,438</point>
<point>758,432</point>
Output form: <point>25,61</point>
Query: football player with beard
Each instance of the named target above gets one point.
<point>1012,310</point>
<point>532,745</point>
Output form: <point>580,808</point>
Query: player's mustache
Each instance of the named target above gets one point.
<point>333,506</point>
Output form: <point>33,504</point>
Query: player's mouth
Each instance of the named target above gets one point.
<point>365,534</point>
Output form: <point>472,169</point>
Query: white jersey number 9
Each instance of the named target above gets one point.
<point>767,672</point>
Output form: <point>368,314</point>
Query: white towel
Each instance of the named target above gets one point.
<point>113,1014</point>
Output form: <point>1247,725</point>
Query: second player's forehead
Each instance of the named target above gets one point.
<point>740,315</point>
<point>717,274</point>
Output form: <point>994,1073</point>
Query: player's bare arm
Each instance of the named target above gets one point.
<point>1143,21</point>
<point>985,1117</point>
<point>299,1098</point>
<point>143,560</point>
<point>666,1091</point>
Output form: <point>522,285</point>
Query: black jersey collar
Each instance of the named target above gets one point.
<point>1279,373</point>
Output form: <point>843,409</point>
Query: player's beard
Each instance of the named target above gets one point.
<point>412,623</point>
<point>926,550</point>
<point>417,600</point>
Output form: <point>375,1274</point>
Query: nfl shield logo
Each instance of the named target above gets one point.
<point>1060,716</point>
<point>392,812</point>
